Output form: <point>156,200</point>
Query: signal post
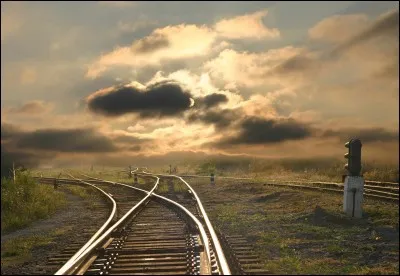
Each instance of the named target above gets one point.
<point>353,181</point>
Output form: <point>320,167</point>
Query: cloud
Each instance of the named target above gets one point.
<point>165,44</point>
<point>366,135</point>
<point>19,158</point>
<point>156,100</point>
<point>150,43</point>
<point>221,119</point>
<point>66,140</point>
<point>211,100</point>
<point>136,127</point>
<point>246,26</point>
<point>387,25</point>
<point>33,108</point>
<point>128,139</point>
<point>248,69</point>
<point>254,131</point>
<point>9,131</point>
<point>338,28</point>
<point>358,48</point>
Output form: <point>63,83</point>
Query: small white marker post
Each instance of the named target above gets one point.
<point>212,181</point>
<point>353,196</point>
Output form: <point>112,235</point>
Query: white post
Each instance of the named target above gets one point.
<point>353,196</point>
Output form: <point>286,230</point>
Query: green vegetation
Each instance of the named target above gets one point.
<point>25,201</point>
<point>177,186</point>
<point>91,197</point>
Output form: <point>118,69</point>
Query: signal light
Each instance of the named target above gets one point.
<point>354,157</point>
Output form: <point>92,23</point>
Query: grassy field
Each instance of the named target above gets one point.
<point>294,232</point>
<point>25,201</point>
<point>305,232</point>
<point>289,169</point>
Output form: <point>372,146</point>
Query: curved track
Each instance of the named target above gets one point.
<point>155,236</point>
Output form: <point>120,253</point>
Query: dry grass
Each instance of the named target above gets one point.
<point>305,232</point>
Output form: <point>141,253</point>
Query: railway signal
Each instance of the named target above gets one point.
<point>353,182</point>
<point>353,165</point>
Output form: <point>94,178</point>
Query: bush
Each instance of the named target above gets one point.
<point>25,201</point>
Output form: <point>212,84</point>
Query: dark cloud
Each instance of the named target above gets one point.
<point>254,130</point>
<point>150,44</point>
<point>68,140</point>
<point>9,131</point>
<point>211,100</point>
<point>220,119</point>
<point>135,148</point>
<point>20,159</point>
<point>365,135</point>
<point>158,100</point>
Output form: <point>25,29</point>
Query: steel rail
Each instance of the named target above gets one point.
<point>220,254</point>
<point>220,177</point>
<point>371,188</point>
<point>294,181</point>
<point>74,264</point>
<point>199,225</point>
<point>70,262</point>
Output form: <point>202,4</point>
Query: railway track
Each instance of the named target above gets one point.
<point>150,234</point>
<point>240,254</point>
<point>384,191</point>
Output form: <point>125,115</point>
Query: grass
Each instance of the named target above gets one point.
<point>26,201</point>
<point>19,249</point>
<point>305,232</point>
<point>177,186</point>
<point>315,169</point>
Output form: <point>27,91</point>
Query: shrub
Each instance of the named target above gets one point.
<point>25,201</point>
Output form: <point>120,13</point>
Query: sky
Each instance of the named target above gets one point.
<point>116,82</point>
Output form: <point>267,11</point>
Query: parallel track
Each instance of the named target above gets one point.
<point>384,191</point>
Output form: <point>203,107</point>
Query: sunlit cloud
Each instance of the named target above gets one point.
<point>246,26</point>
